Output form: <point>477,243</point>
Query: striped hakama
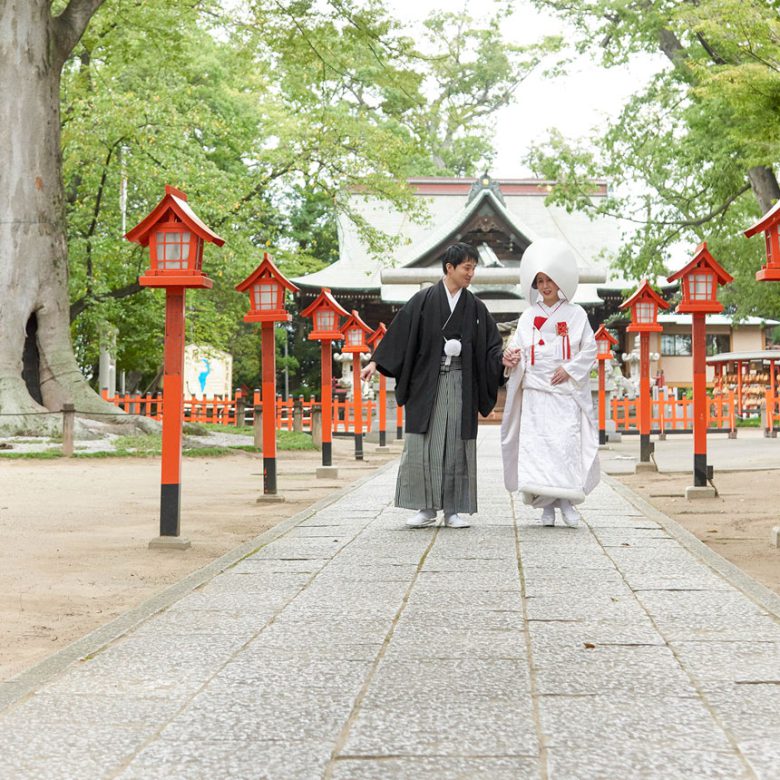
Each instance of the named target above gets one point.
<point>438,469</point>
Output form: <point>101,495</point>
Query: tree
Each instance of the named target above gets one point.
<point>702,139</point>
<point>265,119</point>
<point>38,369</point>
<point>265,114</point>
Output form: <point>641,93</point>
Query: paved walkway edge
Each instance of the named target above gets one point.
<point>15,689</point>
<point>759,593</point>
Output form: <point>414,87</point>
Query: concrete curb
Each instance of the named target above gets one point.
<point>763,596</point>
<point>23,684</point>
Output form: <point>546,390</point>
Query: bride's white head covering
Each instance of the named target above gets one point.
<point>552,257</point>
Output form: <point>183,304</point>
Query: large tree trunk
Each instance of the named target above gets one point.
<point>765,186</point>
<point>38,370</point>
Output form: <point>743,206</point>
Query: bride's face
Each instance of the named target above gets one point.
<point>547,288</point>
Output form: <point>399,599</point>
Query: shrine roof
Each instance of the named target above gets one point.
<point>451,203</point>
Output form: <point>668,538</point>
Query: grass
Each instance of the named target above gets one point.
<point>149,445</point>
<point>140,443</point>
<point>243,430</point>
<point>292,440</point>
<point>44,455</point>
<point>208,452</point>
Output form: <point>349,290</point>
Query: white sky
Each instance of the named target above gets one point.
<point>574,103</point>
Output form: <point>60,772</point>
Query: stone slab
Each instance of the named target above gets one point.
<point>693,492</point>
<point>170,543</point>
<point>641,467</point>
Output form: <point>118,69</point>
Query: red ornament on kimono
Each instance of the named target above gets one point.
<point>563,331</point>
<point>538,322</point>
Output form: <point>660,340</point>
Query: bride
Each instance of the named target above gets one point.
<point>549,439</point>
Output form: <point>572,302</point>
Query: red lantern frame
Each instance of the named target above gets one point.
<point>770,225</point>
<point>267,276</point>
<point>702,265</point>
<point>645,297</point>
<point>171,216</point>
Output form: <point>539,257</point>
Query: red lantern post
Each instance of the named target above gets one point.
<point>265,287</point>
<point>325,313</point>
<point>769,225</point>
<point>700,280</point>
<point>644,305</point>
<point>355,332</point>
<point>604,343</point>
<point>175,236</point>
<point>373,341</point>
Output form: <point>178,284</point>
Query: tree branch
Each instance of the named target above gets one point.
<point>83,303</point>
<point>70,25</point>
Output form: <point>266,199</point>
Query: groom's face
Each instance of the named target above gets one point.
<point>462,273</point>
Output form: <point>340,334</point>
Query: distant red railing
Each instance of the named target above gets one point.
<point>772,422</point>
<point>668,414</point>
<point>222,411</point>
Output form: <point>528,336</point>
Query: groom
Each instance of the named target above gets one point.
<point>444,351</point>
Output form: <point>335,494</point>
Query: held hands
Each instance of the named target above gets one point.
<point>511,357</point>
<point>559,376</point>
<point>368,371</point>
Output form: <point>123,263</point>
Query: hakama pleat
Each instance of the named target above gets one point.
<point>438,469</point>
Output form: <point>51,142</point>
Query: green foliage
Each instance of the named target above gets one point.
<point>680,156</point>
<point>266,115</point>
<point>43,455</point>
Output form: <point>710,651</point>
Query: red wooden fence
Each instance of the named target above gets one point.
<point>675,414</point>
<point>222,411</point>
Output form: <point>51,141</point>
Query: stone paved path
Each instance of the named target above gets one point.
<point>352,648</point>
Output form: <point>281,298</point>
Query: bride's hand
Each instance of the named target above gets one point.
<point>560,376</point>
<point>511,357</point>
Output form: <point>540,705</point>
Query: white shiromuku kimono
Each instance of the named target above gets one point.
<point>549,437</point>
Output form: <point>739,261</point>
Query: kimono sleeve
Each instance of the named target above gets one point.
<point>578,368</point>
<point>393,353</point>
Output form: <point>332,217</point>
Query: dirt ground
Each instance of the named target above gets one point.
<point>737,524</point>
<point>75,534</point>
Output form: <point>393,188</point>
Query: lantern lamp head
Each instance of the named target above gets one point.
<point>175,237</point>
<point>354,332</point>
<point>326,314</point>
<point>644,305</point>
<point>604,343</point>
<point>377,336</point>
<point>700,281</point>
<point>265,287</point>
<point>769,224</point>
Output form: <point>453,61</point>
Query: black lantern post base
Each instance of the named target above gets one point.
<point>170,520</point>
<point>170,510</point>
<point>700,472</point>
<point>646,448</point>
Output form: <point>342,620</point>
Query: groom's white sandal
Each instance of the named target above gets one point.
<point>455,521</point>
<point>422,519</point>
